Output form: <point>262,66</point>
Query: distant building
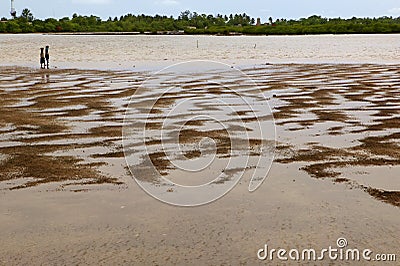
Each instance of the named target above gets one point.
<point>258,21</point>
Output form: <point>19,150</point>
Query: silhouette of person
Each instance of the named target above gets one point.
<point>42,59</point>
<point>47,55</point>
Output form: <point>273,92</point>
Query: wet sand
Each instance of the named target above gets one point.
<point>148,52</point>
<point>61,132</point>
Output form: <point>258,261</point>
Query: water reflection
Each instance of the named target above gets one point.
<point>45,78</point>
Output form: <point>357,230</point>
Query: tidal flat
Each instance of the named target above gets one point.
<point>66,194</point>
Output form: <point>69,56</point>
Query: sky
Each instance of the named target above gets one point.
<point>255,8</point>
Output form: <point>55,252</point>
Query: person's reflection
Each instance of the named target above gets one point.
<point>46,78</point>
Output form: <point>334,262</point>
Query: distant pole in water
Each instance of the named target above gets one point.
<point>255,46</point>
<point>197,43</point>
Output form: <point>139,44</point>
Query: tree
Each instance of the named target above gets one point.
<point>27,15</point>
<point>13,27</point>
<point>186,15</point>
<point>204,23</point>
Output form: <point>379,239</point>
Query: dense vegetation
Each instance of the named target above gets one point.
<point>193,23</point>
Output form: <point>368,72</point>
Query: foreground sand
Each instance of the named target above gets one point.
<point>335,174</point>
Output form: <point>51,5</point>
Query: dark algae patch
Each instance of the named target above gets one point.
<point>392,197</point>
<point>352,106</point>
<point>67,127</point>
<point>48,121</point>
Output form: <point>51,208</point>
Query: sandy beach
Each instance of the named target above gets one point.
<point>67,196</point>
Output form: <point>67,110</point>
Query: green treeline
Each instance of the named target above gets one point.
<point>194,23</point>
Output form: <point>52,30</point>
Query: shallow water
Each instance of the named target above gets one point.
<point>141,52</point>
<point>121,224</point>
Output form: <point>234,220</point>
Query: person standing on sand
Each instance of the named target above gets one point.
<point>42,59</point>
<point>47,55</point>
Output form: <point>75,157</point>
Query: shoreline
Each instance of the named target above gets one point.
<point>190,34</point>
<point>155,67</point>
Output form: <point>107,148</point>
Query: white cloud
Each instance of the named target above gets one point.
<point>167,2</point>
<point>91,2</point>
<point>395,11</point>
